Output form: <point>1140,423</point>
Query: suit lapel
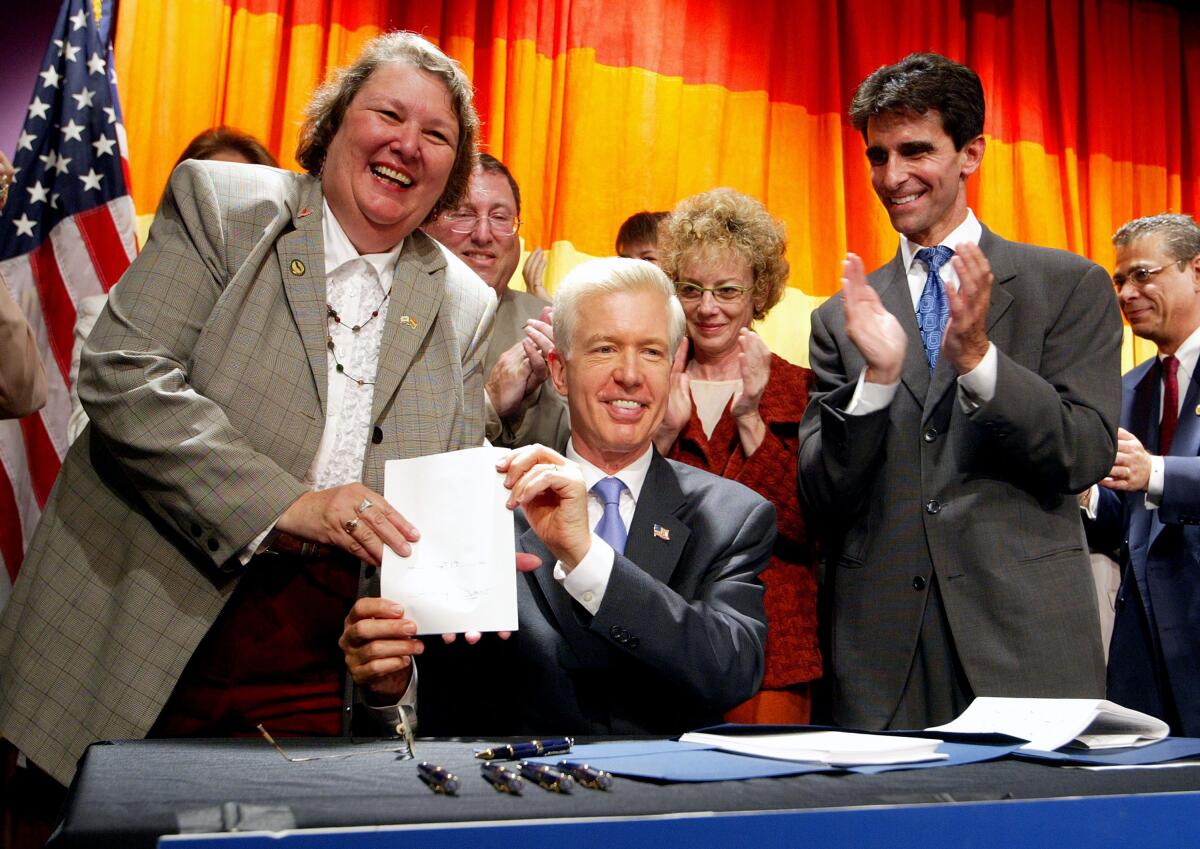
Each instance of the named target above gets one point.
<point>587,648</point>
<point>657,536</point>
<point>417,292</point>
<point>1185,442</point>
<point>301,258</point>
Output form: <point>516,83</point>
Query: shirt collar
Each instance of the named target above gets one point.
<point>633,475</point>
<point>969,231</point>
<point>339,250</point>
<point>1188,353</point>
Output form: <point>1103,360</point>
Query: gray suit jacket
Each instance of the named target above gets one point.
<point>205,380</point>
<point>983,500</point>
<point>677,641</point>
<point>545,420</point>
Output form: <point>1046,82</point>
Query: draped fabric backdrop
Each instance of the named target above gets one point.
<point>605,107</point>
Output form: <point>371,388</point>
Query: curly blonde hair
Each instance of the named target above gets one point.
<point>723,218</point>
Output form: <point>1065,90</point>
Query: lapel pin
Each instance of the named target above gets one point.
<point>304,213</point>
<point>662,533</point>
<point>409,320</point>
<point>297,268</point>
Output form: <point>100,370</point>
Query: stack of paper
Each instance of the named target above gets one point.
<point>833,748</point>
<point>1049,724</point>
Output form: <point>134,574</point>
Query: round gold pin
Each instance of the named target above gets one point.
<point>297,268</point>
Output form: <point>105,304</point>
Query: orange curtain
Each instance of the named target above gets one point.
<point>605,107</point>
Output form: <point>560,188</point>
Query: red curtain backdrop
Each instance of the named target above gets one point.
<point>605,108</point>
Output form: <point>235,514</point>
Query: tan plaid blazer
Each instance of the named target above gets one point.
<point>205,381</point>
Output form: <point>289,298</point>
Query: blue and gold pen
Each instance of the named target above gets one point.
<point>532,749</point>
<point>588,776</point>
<point>439,779</point>
<point>502,779</point>
<point>548,777</point>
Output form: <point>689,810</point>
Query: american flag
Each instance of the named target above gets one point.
<point>67,232</point>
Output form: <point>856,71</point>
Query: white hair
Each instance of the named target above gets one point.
<point>606,276</point>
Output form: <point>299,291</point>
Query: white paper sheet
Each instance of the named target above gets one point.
<point>461,575</point>
<point>1050,723</point>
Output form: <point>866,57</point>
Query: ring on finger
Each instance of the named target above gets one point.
<point>363,505</point>
<point>350,525</point>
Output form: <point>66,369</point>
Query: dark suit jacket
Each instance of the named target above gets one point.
<point>1160,553</point>
<point>677,640</point>
<point>983,500</point>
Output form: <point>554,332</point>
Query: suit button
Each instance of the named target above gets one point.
<point>933,506</point>
<point>632,643</point>
<point>931,434</point>
<point>213,545</point>
<point>918,583</point>
<point>377,435</point>
<point>617,633</point>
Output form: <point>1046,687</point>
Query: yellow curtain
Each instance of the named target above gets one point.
<point>605,107</point>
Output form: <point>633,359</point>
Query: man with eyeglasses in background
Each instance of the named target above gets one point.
<point>523,406</point>
<point>1148,507</point>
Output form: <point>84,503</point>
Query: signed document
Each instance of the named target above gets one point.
<point>461,575</point>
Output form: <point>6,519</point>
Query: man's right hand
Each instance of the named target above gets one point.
<point>873,330</point>
<point>378,644</point>
<point>550,489</point>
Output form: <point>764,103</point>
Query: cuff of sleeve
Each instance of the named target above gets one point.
<point>978,386</point>
<point>587,582</point>
<point>870,397</point>
<point>257,545</point>
<point>389,715</point>
<point>1157,482</point>
<point>1093,502</point>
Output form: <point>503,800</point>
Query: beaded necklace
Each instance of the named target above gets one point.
<point>331,313</point>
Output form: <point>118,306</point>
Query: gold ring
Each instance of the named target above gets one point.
<point>349,526</point>
<point>366,502</point>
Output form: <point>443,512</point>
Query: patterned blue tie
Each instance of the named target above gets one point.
<point>610,528</point>
<point>933,310</point>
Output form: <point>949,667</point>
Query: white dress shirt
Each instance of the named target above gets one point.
<point>977,386</point>
<point>588,581</point>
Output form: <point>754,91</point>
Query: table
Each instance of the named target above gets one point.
<point>129,793</point>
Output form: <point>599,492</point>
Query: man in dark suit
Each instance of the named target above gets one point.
<point>1149,505</point>
<point>964,392</point>
<point>646,613</point>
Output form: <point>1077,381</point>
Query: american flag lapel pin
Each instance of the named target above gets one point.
<point>662,533</point>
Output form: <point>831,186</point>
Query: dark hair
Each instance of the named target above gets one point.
<point>327,108</point>
<point>220,139</point>
<point>920,82</point>
<point>491,165</point>
<point>639,228</point>
<point>1181,235</point>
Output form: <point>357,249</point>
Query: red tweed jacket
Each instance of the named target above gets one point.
<point>793,655</point>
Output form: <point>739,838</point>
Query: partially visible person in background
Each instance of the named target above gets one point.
<point>22,376</point>
<point>223,144</point>
<point>523,406</point>
<point>638,236</point>
<point>735,410</point>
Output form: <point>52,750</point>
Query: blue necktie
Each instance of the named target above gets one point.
<point>610,528</point>
<point>933,310</point>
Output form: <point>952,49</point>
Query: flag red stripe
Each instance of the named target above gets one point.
<point>103,243</point>
<point>12,542</point>
<point>40,455</point>
<point>58,310</point>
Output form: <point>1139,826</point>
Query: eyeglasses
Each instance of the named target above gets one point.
<point>726,294</point>
<point>501,224</point>
<point>1139,277</point>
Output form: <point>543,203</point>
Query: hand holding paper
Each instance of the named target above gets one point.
<point>551,491</point>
